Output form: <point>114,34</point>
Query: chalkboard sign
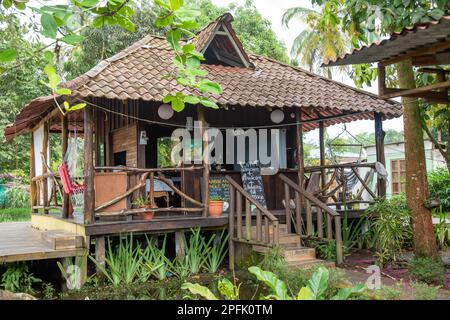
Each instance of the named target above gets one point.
<point>252,182</point>
<point>219,187</point>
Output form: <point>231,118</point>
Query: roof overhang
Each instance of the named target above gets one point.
<point>426,44</point>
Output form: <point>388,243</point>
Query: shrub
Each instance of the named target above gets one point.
<point>327,250</point>
<point>439,187</point>
<point>427,270</point>
<point>17,197</point>
<point>18,278</point>
<point>392,227</point>
<point>423,291</point>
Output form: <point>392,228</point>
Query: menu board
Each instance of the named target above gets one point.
<point>252,182</point>
<point>219,187</point>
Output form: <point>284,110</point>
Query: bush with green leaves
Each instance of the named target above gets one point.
<point>391,226</point>
<point>439,187</point>
<point>428,270</point>
<point>17,197</point>
<point>18,278</point>
<point>423,291</point>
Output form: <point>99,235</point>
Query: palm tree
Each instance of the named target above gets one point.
<point>322,40</point>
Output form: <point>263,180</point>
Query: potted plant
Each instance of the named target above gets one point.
<point>141,203</point>
<point>215,206</point>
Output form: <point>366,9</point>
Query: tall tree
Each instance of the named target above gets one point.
<point>322,39</point>
<point>385,17</point>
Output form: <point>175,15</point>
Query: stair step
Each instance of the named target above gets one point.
<point>62,240</point>
<point>308,264</point>
<point>299,254</point>
<point>289,238</point>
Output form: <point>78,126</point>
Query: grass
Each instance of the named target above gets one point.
<point>15,214</point>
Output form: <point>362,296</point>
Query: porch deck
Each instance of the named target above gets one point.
<point>19,241</point>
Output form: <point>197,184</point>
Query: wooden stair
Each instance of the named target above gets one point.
<point>295,254</point>
<point>62,240</point>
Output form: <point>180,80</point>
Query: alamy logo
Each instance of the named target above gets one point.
<point>374,280</point>
<point>229,146</point>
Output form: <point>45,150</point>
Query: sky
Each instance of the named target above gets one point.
<point>273,10</point>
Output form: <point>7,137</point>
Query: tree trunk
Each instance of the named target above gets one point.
<point>424,240</point>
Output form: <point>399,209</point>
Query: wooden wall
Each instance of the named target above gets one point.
<point>125,139</point>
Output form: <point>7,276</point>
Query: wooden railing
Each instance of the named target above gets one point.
<point>138,190</point>
<point>240,230</point>
<point>334,186</point>
<point>302,201</point>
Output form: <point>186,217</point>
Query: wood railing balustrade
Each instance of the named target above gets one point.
<point>335,191</point>
<point>266,232</point>
<point>303,200</point>
<point>152,174</point>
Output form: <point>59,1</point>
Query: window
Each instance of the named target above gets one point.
<point>398,176</point>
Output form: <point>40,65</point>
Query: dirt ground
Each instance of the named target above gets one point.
<point>393,276</point>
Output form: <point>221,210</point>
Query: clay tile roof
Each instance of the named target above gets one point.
<point>138,72</point>
<point>420,35</point>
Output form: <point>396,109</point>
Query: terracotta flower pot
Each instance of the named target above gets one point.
<point>148,215</point>
<point>215,208</point>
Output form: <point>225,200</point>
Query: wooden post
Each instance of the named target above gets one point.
<point>33,197</point>
<point>100,252</point>
<point>287,207</point>
<point>300,153</point>
<point>339,250</point>
<point>44,168</point>
<point>322,153</point>
<point>201,117</point>
<point>248,220</point>
<point>89,193</point>
<point>381,80</point>
<point>379,142</point>
<point>64,145</point>
<point>231,228</point>
<point>180,244</point>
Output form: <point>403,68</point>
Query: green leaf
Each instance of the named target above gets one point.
<point>48,55</point>
<point>89,3</point>
<point>188,48</point>
<point>77,107</point>
<point>319,283</point>
<point>305,294</point>
<point>271,280</point>
<point>183,81</point>
<point>177,104</point>
<point>209,86</point>
<point>163,3</point>
<point>196,288</point>
<point>7,4</point>
<point>72,39</point>
<point>126,23</point>
<point>176,4</point>
<point>187,14</point>
<point>7,55</point>
<point>193,62</point>
<point>49,26</point>
<point>228,289</point>
<point>98,22</point>
<point>191,99</point>
<point>167,98</point>
<point>63,91</point>
<point>345,293</point>
<point>173,37</point>
<point>164,21</point>
<point>20,5</point>
<point>52,76</point>
<point>209,104</point>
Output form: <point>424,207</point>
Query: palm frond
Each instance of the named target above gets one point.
<point>295,12</point>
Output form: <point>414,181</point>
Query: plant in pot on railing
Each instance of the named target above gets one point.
<point>215,206</point>
<point>141,203</point>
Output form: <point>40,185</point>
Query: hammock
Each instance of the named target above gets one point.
<point>68,171</point>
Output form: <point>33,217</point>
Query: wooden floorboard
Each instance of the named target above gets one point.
<point>20,242</point>
<point>155,225</point>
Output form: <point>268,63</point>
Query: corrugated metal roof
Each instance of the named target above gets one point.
<point>421,35</point>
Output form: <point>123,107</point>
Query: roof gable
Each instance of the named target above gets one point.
<point>220,45</point>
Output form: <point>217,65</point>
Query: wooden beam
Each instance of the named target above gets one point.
<point>44,167</point>
<point>416,92</point>
<point>206,171</point>
<point>322,153</point>
<point>379,146</point>
<point>429,50</point>
<point>33,197</point>
<point>89,193</point>
<point>300,152</point>
<point>381,80</point>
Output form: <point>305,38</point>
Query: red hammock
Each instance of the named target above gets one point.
<point>70,187</point>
